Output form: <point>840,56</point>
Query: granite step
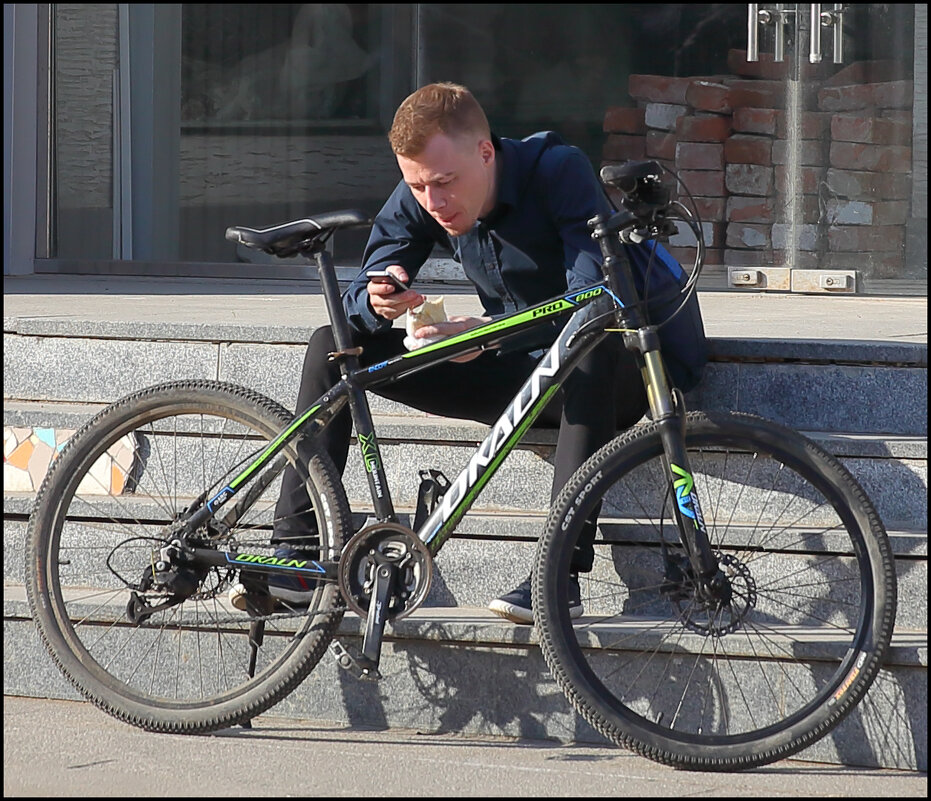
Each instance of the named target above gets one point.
<point>451,666</point>
<point>809,384</point>
<point>891,468</point>
<point>464,670</point>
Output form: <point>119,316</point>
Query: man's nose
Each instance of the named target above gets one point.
<point>435,198</point>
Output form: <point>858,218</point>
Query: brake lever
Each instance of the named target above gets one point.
<point>634,236</point>
<point>660,231</point>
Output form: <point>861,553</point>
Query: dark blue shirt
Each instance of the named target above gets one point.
<point>535,243</point>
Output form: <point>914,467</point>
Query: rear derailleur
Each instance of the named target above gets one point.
<point>167,575</point>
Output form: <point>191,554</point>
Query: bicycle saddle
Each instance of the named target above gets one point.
<point>287,239</point>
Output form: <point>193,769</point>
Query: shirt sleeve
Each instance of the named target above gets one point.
<point>574,196</point>
<point>403,234</point>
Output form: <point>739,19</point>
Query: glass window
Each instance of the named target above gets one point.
<point>796,164</point>
<point>280,66</point>
<point>172,122</point>
<point>533,67</point>
<point>284,111</point>
<point>84,76</point>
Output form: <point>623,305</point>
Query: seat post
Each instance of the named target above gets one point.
<point>342,335</point>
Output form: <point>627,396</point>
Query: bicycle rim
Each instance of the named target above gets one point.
<point>738,684</point>
<point>101,517</point>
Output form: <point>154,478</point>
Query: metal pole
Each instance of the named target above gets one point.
<point>814,53</point>
<point>753,35</point>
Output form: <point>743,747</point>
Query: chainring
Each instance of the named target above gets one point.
<point>398,545</point>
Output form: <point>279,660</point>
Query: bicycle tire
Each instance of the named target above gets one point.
<point>763,676</point>
<point>186,669</point>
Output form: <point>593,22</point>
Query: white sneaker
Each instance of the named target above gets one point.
<point>516,605</point>
<point>246,600</point>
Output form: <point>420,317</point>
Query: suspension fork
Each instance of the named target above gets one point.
<point>667,408</point>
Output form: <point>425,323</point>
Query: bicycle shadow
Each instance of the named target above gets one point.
<point>510,692</point>
<point>431,684</point>
<point>445,681</point>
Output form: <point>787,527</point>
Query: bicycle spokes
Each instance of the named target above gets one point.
<point>741,666</point>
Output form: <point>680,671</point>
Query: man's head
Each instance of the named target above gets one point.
<point>442,142</point>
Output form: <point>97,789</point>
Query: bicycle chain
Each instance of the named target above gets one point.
<point>247,618</point>
<point>224,582</point>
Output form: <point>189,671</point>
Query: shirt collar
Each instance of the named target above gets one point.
<point>508,175</point>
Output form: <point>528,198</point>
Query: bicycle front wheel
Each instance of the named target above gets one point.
<point>725,684</point>
<point>104,512</point>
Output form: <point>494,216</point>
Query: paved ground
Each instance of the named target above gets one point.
<point>64,748</point>
<point>298,303</point>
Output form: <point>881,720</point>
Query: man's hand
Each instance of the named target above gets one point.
<point>387,302</point>
<point>454,325</point>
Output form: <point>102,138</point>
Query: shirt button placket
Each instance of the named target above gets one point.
<point>493,268</point>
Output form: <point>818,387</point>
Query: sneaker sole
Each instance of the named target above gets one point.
<point>295,597</point>
<point>517,614</point>
<point>241,599</point>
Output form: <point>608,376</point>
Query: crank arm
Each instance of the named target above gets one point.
<point>385,578</point>
<point>365,666</point>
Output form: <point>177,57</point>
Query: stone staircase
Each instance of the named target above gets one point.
<point>452,666</point>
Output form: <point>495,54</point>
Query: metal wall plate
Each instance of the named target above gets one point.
<point>772,278</point>
<point>784,279</point>
<point>835,282</point>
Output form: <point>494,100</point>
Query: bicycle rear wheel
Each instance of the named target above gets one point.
<point>717,686</point>
<point>101,516</point>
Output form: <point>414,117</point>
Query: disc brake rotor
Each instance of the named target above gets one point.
<point>724,617</point>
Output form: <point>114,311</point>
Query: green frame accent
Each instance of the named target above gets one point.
<point>527,316</point>
<point>272,447</point>
<point>445,531</point>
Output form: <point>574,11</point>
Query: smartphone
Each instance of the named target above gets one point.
<point>384,277</point>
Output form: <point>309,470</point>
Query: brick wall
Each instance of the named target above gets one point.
<point>846,204</point>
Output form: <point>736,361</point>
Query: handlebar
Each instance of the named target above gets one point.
<point>646,198</point>
<point>647,213</point>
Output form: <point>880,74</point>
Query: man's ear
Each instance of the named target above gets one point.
<point>487,151</point>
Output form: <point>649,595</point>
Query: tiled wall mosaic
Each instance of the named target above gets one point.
<point>28,452</point>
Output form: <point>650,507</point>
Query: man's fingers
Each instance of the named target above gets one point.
<point>399,272</point>
<point>392,305</point>
<point>454,325</point>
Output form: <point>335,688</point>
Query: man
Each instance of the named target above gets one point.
<point>514,214</point>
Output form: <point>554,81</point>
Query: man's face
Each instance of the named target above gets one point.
<point>453,179</point>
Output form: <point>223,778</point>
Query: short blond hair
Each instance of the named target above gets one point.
<point>436,108</point>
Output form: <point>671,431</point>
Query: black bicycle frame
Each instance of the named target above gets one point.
<point>592,311</point>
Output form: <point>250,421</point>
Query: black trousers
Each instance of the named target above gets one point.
<point>603,395</point>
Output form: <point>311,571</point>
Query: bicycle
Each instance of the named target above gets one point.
<point>741,603</point>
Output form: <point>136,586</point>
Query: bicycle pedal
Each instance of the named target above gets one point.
<point>348,662</point>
